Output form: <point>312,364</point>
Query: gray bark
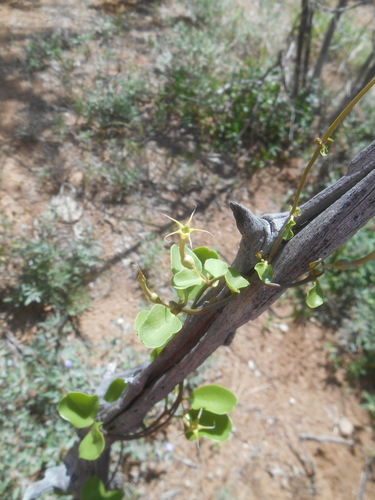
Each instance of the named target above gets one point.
<point>326,222</point>
<point>328,38</point>
<point>303,47</point>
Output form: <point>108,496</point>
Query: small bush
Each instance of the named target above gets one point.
<point>123,167</point>
<point>248,111</point>
<point>52,272</point>
<point>31,385</point>
<point>112,103</point>
<point>41,49</point>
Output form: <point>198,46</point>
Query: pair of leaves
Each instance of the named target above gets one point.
<point>314,297</point>
<point>81,410</point>
<point>213,422</point>
<point>264,271</point>
<point>288,229</point>
<point>233,278</point>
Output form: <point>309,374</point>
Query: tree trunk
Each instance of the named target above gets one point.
<point>303,47</point>
<point>327,40</point>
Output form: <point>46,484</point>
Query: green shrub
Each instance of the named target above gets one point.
<point>42,48</point>
<point>113,103</point>
<point>211,90</point>
<point>205,86</point>
<point>31,385</point>
<point>124,167</point>
<point>53,270</point>
<point>247,111</point>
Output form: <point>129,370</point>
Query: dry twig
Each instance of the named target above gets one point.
<point>326,439</point>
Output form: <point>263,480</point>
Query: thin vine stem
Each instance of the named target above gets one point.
<point>320,144</point>
<point>156,424</point>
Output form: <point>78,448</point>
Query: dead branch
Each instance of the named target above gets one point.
<point>326,439</point>
<point>364,478</point>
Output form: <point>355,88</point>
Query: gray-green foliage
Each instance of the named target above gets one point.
<point>113,102</point>
<point>42,48</point>
<point>52,271</point>
<point>206,85</point>
<point>123,168</point>
<point>32,436</point>
<point>33,378</point>
<point>219,94</point>
<point>350,302</point>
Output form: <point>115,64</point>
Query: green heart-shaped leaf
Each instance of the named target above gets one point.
<point>214,398</point>
<point>315,297</point>
<point>221,426</point>
<point>92,445</point>
<point>115,389</point>
<point>186,278</point>
<point>94,490</point>
<point>79,409</point>
<point>234,280</point>
<point>159,326</point>
<point>191,292</point>
<point>176,264</point>
<point>216,267</point>
<point>288,230</point>
<point>204,253</point>
<point>265,272</point>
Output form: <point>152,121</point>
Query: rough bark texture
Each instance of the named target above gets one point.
<point>326,222</point>
<point>303,47</point>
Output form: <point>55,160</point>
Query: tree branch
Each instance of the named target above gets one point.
<point>326,222</point>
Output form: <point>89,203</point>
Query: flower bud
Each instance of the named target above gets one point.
<point>188,262</point>
<point>343,264</point>
<point>154,297</point>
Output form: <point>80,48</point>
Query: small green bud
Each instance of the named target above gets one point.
<point>342,264</point>
<point>154,297</point>
<point>188,262</point>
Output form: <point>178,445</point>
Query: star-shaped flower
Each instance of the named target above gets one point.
<point>184,230</point>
